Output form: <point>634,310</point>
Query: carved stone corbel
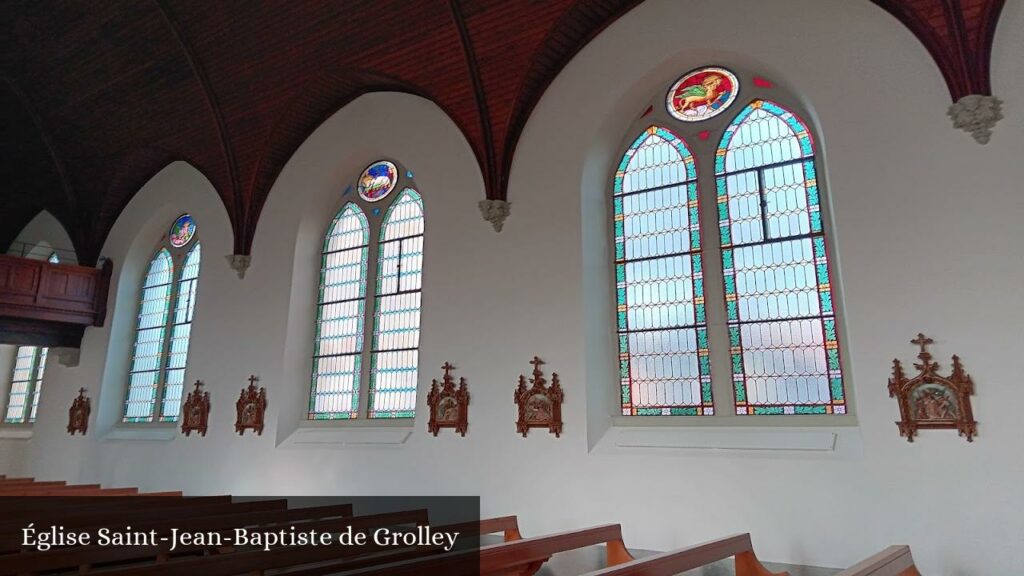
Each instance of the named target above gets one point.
<point>239,263</point>
<point>495,212</point>
<point>976,114</point>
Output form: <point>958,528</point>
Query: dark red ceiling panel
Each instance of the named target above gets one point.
<point>104,94</point>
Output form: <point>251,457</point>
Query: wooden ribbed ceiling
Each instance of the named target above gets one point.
<point>99,96</point>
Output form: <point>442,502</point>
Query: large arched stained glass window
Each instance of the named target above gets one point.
<point>376,240</point>
<point>778,292</point>
<point>664,367</point>
<point>27,379</point>
<point>157,370</point>
<point>337,355</point>
<point>396,334</point>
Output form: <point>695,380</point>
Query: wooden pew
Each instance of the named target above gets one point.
<point>309,560</point>
<point>893,561</point>
<point>522,557</point>
<point>10,532</point>
<point>683,559</point>
<point>18,511</point>
<point>84,558</point>
<point>254,561</point>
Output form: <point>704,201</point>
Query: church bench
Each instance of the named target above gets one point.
<point>519,557</point>
<point>28,486</point>
<point>893,561</point>
<point>84,557</point>
<point>508,526</point>
<point>10,532</point>
<point>74,508</point>
<point>253,561</point>
<point>691,557</point>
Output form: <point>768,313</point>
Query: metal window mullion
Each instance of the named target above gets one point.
<point>653,189</point>
<point>33,381</point>
<point>165,356</point>
<point>369,319</point>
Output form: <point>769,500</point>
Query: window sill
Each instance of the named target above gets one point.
<point>15,432</point>
<point>729,440</point>
<point>143,432</point>
<point>349,435</point>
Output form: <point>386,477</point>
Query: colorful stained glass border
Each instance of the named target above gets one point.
<point>700,313</point>
<point>797,125</point>
<point>822,272</point>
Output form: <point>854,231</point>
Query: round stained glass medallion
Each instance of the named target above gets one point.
<point>701,94</point>
<point>377,181</point>
<point>182,231</point>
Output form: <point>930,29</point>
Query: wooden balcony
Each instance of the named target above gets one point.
<point>48,304</point>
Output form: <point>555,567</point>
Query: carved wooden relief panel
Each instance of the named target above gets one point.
<point>195,414</point>
<point>540,405</point>
<point>929,400</point>
<point>449,406</point>
<point>251,405</point>
<point>78,415</point>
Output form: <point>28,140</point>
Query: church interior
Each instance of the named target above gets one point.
<point>664,283</point>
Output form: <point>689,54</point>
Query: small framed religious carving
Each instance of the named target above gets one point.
<point>449,406</point>
<point>251,405</point>
<point>929,400</point>
<point>78,415</point>
<point>540,405</point>
<point>196,412</point>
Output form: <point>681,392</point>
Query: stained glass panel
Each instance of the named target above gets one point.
<point>377,181</point>
<point>150,335</point>
<point>339,335</point>
<point>664,366</point>
<point>395,356</point>
<point>182,231</point>
<point>181,329</point>
<point>701,94</point>
<point>779,309</point>
<point>21,384</point>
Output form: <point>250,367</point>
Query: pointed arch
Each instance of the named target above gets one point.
<point>779,308</point>
<point>27,378</point>
<point>664,367</point>
<point>394,361</point>
<point>181,331</point>
<point>150,339</point>
<point>338,345</point>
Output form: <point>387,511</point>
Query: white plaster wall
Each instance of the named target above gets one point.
<point>927,225</point>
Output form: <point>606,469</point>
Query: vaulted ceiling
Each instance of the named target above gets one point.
<point>99,96</point>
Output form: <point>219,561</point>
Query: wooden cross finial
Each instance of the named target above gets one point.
<point>198,384</point>
<point>536,364</point>
<point>923,341</point>
<point>253,379</point>
<point>81,391</point>
<point>447,369</point>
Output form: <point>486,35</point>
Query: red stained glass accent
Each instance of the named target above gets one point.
<point>762,82</point>
<point>704,134</point>
<point>648,111</point>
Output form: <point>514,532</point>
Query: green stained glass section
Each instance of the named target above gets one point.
<point>777,284</point>
<point>338,346</point>
<point>148,352</point>
<point>659,279</point>
<point>394,365</point>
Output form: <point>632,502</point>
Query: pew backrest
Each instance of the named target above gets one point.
<point>692,557</point>
<point>893,561</point>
